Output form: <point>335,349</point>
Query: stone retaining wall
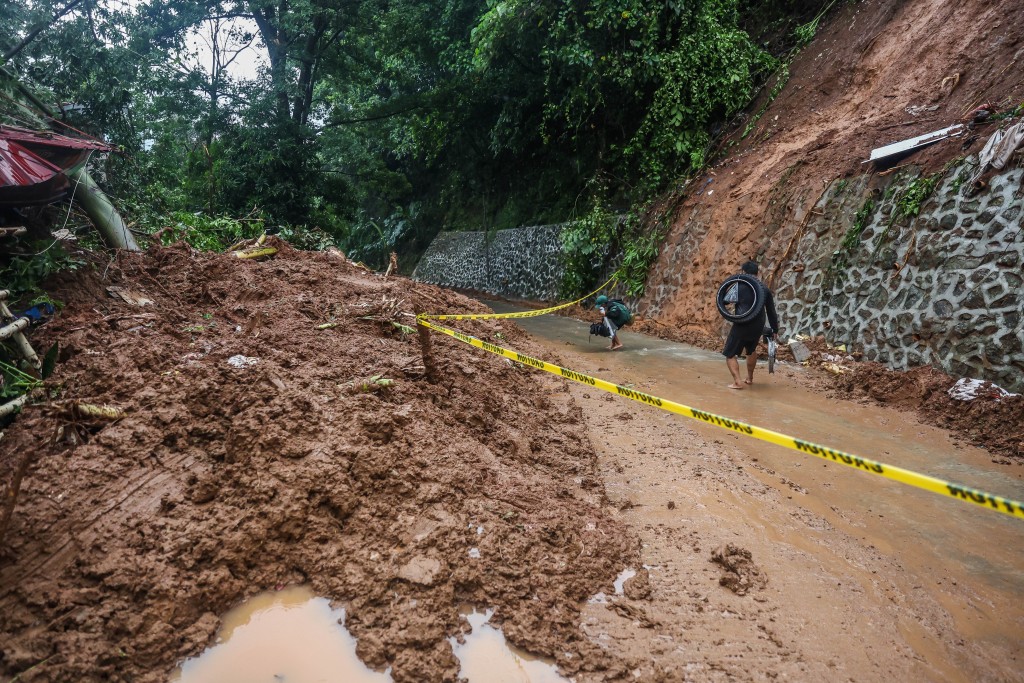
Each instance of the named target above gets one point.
<point>943,288</point>
<point>522,263</point>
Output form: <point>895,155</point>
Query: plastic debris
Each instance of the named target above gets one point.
<point>969,389</point>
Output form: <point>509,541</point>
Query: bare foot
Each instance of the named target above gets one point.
<point>735,386</point>
<point>615,348</point>
<point>749,380</point>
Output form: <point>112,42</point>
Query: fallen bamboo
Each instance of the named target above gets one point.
<point>255,252</point>
<point>14,406</point>
<point>79,410</point>
<point>14,330</point>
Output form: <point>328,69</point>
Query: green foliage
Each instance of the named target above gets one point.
<point>24,275</point>
<point>633,86</point>
<point>852,237</point>
<point>643,231</point>
<point>910,199</point>
<point>217,233</point>
<point>633,239</point>
<point>907,201</point>
<point>209,233</point>
<point>376,124</point>
<point>638,255</point>
<point>586,244</point>
<point>309,239</point>
<point>805,34</point>
<point>836,271</point>
<point>13,381</point>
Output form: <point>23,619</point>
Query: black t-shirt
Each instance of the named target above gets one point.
<point>754,328</point>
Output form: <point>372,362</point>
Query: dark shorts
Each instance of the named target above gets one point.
<point>740,340</point>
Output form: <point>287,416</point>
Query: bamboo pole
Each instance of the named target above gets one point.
<point>255,252</point>
<point>14,329</point>
<point>100,211</point>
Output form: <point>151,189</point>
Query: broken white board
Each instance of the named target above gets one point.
<point>904,146</point>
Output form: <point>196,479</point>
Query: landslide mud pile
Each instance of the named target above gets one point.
<point>258,451</point>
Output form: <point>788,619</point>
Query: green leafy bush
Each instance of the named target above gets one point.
<point>209,233</point>
<point>586,244</point>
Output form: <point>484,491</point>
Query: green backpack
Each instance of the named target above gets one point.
<point>618,313</point>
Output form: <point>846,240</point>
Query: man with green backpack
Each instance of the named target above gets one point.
<point>616,315</point>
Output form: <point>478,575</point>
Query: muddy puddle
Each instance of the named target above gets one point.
<point>292,636</point>
<point>970,560</point>
<point>486,657</point>
<point>286,636</point>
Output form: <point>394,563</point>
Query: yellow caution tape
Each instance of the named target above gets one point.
<point>521,314</point>
<point>921,481</point>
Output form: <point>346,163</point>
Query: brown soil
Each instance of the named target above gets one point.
<point>990,421</point>
<point>850,584</point>
<point>131,538</point>
<point>848,93</point>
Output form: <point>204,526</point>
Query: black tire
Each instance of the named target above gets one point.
<point>744,280</point>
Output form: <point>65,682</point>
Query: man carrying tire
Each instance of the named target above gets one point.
<point>754,304</point>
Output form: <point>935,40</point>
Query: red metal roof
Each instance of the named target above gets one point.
<point>50,139</point>
<point>32,164</point>
<point>19,166</point>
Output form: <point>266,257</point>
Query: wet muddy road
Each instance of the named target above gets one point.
<point>868,578</point>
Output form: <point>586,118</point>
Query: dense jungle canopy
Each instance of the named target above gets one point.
<point>374,124</point>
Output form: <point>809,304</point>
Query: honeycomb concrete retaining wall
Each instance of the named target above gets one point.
<point>521,263</point>
<point>942,289</point>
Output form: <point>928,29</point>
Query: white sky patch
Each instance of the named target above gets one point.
<point>199,53</point>
<point>245,65</point>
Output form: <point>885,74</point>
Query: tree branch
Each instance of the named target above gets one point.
<point>344,122</point>
<point>39,29</point>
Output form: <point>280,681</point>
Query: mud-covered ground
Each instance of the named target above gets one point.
<point>258,451</point>
<point>990,419</point>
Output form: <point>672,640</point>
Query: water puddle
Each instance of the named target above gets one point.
<point>625,576</point>
<point>486,657</point>
<point>287,636</point>
<point>292,636</point>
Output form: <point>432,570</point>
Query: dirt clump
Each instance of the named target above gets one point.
<point>741,574</point>
<point>258,451</point>
<point>638,587</point>
<point>989,418</point>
